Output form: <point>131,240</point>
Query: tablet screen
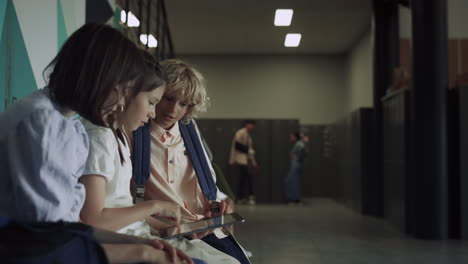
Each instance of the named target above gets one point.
<point>203,225</point>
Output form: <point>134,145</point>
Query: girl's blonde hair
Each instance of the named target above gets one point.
<point>186,84</point>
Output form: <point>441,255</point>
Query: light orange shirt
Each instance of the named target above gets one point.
<point>172,175</point>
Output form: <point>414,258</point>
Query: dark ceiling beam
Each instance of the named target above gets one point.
<point>98,11</point>
<point>167,31</point>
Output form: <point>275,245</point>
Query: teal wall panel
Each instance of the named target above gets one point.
<point>116,20</point>
<point>3,7</point>
<point>22,81</point>
<point>61,27</point>
<point>3,54</point>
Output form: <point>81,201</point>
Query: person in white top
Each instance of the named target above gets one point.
<point>109,204</point>
<point>173,177</point>
<point>43,147</point>
<point>242,156</point>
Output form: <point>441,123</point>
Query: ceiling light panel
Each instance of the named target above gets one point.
<point>283,17</point>
<point>292,40</point>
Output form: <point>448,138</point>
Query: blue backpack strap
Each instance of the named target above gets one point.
<point>199,161</point>
<point>141,159</point>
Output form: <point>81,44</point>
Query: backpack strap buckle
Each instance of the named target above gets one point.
<point>215,207</point>
<point>140,193</point>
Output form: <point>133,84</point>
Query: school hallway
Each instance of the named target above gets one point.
<point>323,231</point>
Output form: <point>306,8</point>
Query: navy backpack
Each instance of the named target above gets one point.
<point>141,173</point>
<point>142,156</point>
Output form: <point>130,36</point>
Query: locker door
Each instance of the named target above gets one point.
<point>261,137</point>
<point>218,133</point>
<point>464,165</point>
<point>226,131</point>
<point>205,126</point>
<point>316,181</point>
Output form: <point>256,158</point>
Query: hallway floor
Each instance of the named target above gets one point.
<point>325,232</point>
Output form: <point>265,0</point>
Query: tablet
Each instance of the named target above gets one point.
<point>202,225</point>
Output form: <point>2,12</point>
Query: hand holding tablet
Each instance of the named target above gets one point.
<point>202,225</point>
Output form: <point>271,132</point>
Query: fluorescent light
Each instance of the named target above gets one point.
<point>144,39</point>
<point>152,42</point>
<point>133,20</point>
<point>123,16</point>
<point>283,17</point>
<point>148,39</point>
<point>292,40</point>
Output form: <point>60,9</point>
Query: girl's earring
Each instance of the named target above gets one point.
<point>121,108</point>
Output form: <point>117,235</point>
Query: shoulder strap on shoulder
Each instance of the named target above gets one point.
<point>198,158</point>
<point>141,158</point>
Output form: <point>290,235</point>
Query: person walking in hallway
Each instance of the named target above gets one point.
<point>242,156</point>
<point>292,182</point>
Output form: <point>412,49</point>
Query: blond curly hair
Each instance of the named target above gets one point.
<point>186,84</point>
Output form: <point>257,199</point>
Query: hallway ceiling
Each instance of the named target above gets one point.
<point>246,26</point>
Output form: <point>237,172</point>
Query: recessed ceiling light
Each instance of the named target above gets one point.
<point>133,20</point>
<point>283,17</point>
<point>123,16</point>
<point>144,39</point>
<point>152,42</point>
<point>149,40</point>
<point>292,40</point>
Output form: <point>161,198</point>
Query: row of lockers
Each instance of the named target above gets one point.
<point>272,146</point>
<point>271,142</point>
<point>329,170</point>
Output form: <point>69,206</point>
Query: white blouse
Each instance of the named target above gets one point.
<point>104,160</point>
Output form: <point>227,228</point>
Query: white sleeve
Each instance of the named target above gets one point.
<point>103,152</point>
